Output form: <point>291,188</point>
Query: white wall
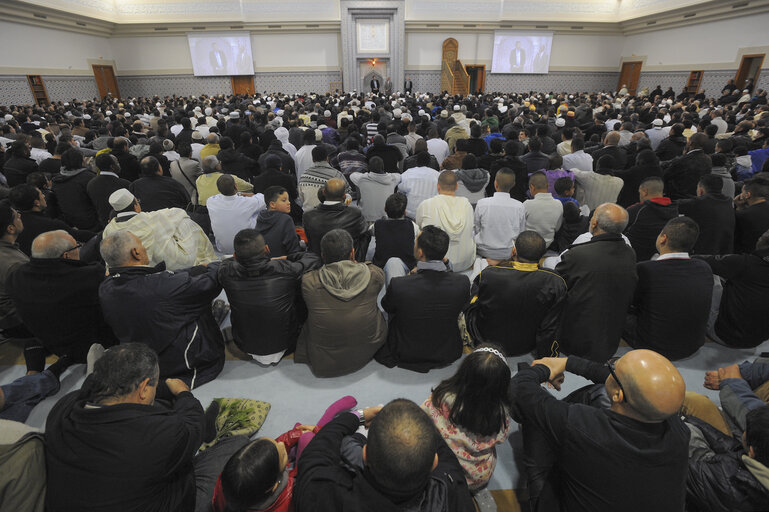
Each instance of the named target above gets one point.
<point>34,50</point>
<point>271,52</point>
<point>569,53</point>
<point>714,45</point>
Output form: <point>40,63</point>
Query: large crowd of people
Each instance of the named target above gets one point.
<point>143,236</point>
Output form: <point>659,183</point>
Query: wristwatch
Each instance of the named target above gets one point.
<point>361,416</point>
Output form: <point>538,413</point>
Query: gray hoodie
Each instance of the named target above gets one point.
<point>345,280</point>
<point>472,184</point>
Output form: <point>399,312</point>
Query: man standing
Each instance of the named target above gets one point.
<point>517,58</point>
<point>516,304</point>
<point>632,456</point>
<point>601,278</point>
<point>374,85</point>
<point>423,307</point>
<point>388,87</point>
<point>454,215</point>
<point>168,311</point>
<point>408,85</point>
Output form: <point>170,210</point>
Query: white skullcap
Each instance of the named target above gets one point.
<point>421,112</point>
<point>224,111</point>
<point>456,108</point>
<point>108,113</point>
<point>126,115</point>
<point>318,135</point>
<point>560,122</point>
<point>86,116</point>
<point>121,199</point>
<point>502,109</point>
<point>197,109</point>
<point>8,117</point>
<point>280,113</point>
<point>196,135</point>
<point>397,112</point>
<point>234,115</point>
<point>326,113</point>
<point>158,104</point>
<point>209,111</point>
<point>657,122</point>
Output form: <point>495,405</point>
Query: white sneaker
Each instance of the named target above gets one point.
<point>94,354</point>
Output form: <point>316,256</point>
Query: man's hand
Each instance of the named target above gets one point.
<point>712,380</point>
<point>556,365</point>
<point>369,413</point>
<point>176,386</point>
<point>729,372</point>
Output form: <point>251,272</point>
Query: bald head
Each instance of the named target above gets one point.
<point>334,190</point>
<point>612,139</point>
<point>53,245</point>
<point>608,218</point>
<point>653,388</point>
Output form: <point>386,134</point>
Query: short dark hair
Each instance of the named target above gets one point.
<point>577,144</point>
<point>7,215</point>
<point>712,183</point>
<point>530,246</point>
<point>395,205</point>
<point>402,443</point>
<point>469,161</point>
<point>757,433</point>
<point>271,194</point>
<point>23,197</point>
<point>184,149</point>
<point>535,144</point>
<point>226,143</point>
<point>226,185</point>
<point>538,180</point>
<point>563,185</point>
<point>682,233</point>
<point>149,166</point>
<point>475,131</point>
<point>376,165</point>
<point>104,162</point>
<point>758,187</point>
<point>505,178</point>
<point>273,161</point>
<point>72,159</point>
<point>247,244</point>
<point>121,370</point>
<point>319,153</point>
<point>423,159</point>
<point>336,245</point>
<point>434,242</point>
<point>250,474</point>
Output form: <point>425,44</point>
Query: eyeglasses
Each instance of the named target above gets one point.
<point>611,364</point>
<point>77,246</point>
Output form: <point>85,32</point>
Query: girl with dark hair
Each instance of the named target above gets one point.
<point>471,411</point>
<point>260,476</point>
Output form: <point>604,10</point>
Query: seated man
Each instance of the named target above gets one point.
<point>102,186</point>
<point>168,235</point>
<point>11,258</point>
<point>156,191</point>
<point>648,217</point>
<point>454,215</point>
<point>752,216</point>
<point>600,277</point>
<point>739,316</point>
<point>727,472</point>
<point>418,183</point>
<point>714,214</point>
<point>334,213</point>
<point>275,223</point>
<point>407,466</point>
<point>232,211</point>
<point>599,186</point>
<point>168,311</point>
<point>516,304</point>
<point>499,220</point>
<point>632,456</point>
<point>345,327</point>
<point>206,182</point>
<point>56,297</point>
<point>316,177</point>
<point>265,300</point>
<point>544,213</point>
<point>111,432</point>
<point>672,297</point>
<point>423,309</point>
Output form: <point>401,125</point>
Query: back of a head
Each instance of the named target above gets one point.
<point>469,161</point>
<point>654,387</point>
<point>505,179</point>
<point>395,205</point>
<point>210,164</point>
<point>530,246</point>
<point>447,180</point>
<point>423,159</point>
<point>271,194</point>
<point>116,249</point>
<point>475,131</point>
<point>51,245</point>
<point>758,188</point>
<point>120,144</point>
<point>248,244</point>
<point>226,143</point>
<point>698,140</point>
<point>376,165</point>
<point>606,163</point>
<point>682,233</point>
<point>226,185</point>
<point>577,144</point>
<point>184,150</point>
<point>513,148</point>
<point>72,159</point>
<point>23,197</point>
<point>212,138</point>
<point>647,158</point>
<point>611,218</point>
<point>612,138</point>
<point>538,180</point>
<point>556,162</point>
<point>379,140</point>
<point>757,433</point>
<point>563,185</point>
<point>334,190</point>
<point>121,370</point>
<point>654,186</point>
<point>319,154</point>
<point>250,474</point>
<point>149,166</point>
<point>711,183</point>
<point>434,242</point>
<point>273,162</point>
<point>535,144</point>
<point>401,447</point>
<point>104,162</point>
<point>336,245</point>
<point>677,130</point>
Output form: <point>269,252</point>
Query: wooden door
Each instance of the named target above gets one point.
<point>750,67</point>
<point>243,84</point>
<point>477,78</point>
<point>106,81</point>
<point>629,76</point>
<point>450,50</point>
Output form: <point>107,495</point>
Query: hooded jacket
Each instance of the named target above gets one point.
<point>671,148</point>
<point>278,231</point>
<point>454,215</point>
<point>344,327</point>
<point>646,220</point>
<point>453,134</point>
<point>71,189</point>
<point>472,184</point>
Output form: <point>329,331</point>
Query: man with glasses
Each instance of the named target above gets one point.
<point>630,456</point>
<point>56,297</point>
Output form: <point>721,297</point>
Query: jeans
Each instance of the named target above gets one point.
<point>25,393</point>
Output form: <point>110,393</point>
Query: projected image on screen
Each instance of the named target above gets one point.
<point>220,54</point>
<point>521,52</point>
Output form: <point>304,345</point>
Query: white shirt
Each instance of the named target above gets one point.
<point>578,160</point>
<point>418,183</point>
<point>38,155</point>
<point>230,214</point>
<point>594,189</point>
<point>722,125</point>
<point>499,220</point>
<point>439,149</point>
<point>671,256</point>
<point>196,147</point>
<point>175,129</point>
<point>171,155</point>
<point>303,159</point>
<point>544,214</point>
<point>454,215</point>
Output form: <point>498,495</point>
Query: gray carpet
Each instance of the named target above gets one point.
<point>297,396</point>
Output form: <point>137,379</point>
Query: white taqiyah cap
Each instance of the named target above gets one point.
<point>121,199</point>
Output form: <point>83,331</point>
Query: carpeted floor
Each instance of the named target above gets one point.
<point>297,396</point>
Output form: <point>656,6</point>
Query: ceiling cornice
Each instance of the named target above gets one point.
<point>19,11</point>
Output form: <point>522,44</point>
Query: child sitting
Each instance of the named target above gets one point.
<point>275,223</point>
<point>564,190</point>
<point>395,235</point>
